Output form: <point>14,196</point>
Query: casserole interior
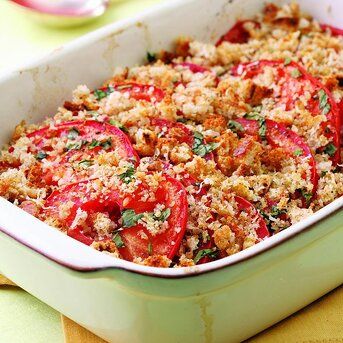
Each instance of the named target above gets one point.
<point>37,90</point>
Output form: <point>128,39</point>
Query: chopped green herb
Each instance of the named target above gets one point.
<point>130,218</point>
<point>94,143</point>
<point>118,241</point>
<point>41,155</point>
<point>201,149</point>
<point>75,146</point>
<point>298,152</point>
<point>119,125</point>
<point>86,163</point>
<point>73,134</point>
<point>103,93</point>
<point>150,252</point>
<point>106,144</point>
<point>181,120</point>
<point>307,196</point>
<point>287,61</point>
<point>252,115</point>
<point>128,174</point>
<point>330,149</point>
<point>295,73</point>
<point>323,102</point>
<point>151,57</point>
<point>263,128</point>
<point>205,252</point>
<point>164,215</point>
<point>323,173</point>
<point>235,126</point>
<point>276,212</point>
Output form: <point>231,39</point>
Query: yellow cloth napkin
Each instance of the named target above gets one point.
<point>320,322</point>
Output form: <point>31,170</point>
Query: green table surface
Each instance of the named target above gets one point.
<point>23,318</point>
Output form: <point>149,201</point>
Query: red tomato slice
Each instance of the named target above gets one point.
<point>238,33</point>
<point>137,91</point>
<point>187,135</point>
<point>194,68</point>
<point>278,135</point>
<point>294,81</point>
<point>85,132</point>
<point>87,197</point>
<point>335,31</point>
<point>139,242</point>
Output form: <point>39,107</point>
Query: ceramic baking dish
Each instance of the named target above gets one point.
<point>223,301</point>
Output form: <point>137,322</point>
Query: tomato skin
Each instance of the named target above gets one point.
<point>84,196</point>
<point>292,88</point>
<point>171,193</point>
<point>238,34</point>
<point>139,91</point>
<point>88,130</point>
<point>194,68</point>
<point>335,31</point>
<point>278,135</point>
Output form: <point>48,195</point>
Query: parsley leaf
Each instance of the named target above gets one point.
<point>119,125</point>
<point>235,126</point>
<point>205,252</point>
<point>106,144</point>
<point>201,149</point>
<point>164,215</point>
<point>86,163</point>
<point>41,155</point>
<point>287,61</point>
<point>103,93</point>
<point>276,212</point>
<point>295,73</point>
<point>307,196</point>
<point>128,175</point>
<point>118,241</point>
<point>330,149</point>
<point>75,146</point>
<point>323,102</point>
<point>151,57</point>
<point>130,218</point>
<point>298,152</point>
<point>73,134</point>
<point>263,128</point>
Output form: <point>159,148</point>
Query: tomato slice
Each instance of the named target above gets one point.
<point>82,140</point>
<point>185,135</point>
<point>335,31</point>
<point>136,91</point>
<point>278,135</point>
<point>194,68</point>
<point>238,33</point>
<point>294,81</point>
<point>139,242</point>
<point>87,197</point>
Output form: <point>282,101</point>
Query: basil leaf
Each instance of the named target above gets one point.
<point>164,215</point>
<point>323,102</point>
<point>295,73</point>
<point>128,175</point>
<point>235,126</point>
<point>119,125</point>
<point>330,149</point>
<point>298,152</point>
<point>41,155</point>
<point>130,218</point>
<point>201,149</point>
<point>118,241</point>
<point>73,134</point>
<point>205,252</point>
<point>103,93</point>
